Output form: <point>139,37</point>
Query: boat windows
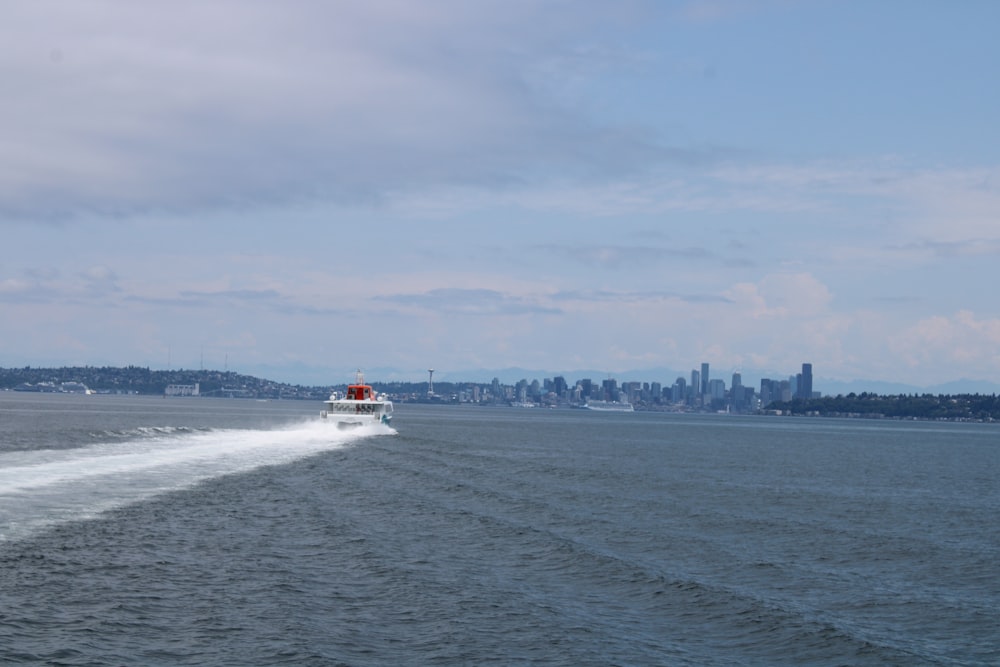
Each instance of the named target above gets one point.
<point>354,408</point>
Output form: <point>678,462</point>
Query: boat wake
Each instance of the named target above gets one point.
<point>40,488</point>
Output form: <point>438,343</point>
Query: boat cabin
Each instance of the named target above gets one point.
<point>360,392</point>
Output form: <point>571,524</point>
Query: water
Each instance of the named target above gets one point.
<point>142,531</point>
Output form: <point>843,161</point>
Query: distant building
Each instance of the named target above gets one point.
<point>183,390</point>
<point>786,391</point>
<point>678,392</point>
<point>805,388</point>
<point>717,389</point>
<point>632,391</point>
<point>610,389</point>
<point>774,390</point>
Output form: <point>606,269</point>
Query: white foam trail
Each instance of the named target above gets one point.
<point>43,487</point>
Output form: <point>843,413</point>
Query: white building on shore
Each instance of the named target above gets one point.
<point>182,390</point>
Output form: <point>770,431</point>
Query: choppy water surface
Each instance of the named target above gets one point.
<point>141,531</point>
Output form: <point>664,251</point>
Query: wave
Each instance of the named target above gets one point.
<point>147,432</point>
<point>628,583</point>
<point>40,488</point>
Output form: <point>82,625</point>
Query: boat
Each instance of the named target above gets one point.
<point>358,407</point>
<point>608,406</point>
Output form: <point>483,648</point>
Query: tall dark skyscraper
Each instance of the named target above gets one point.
<point>806,383</point>
<point>704,379</point>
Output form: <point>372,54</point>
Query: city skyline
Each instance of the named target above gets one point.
<point>703,392</point>
<point>388,185</point>
<point>514,376</point>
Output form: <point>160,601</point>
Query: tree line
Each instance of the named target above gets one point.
<point>140,380</point>
<point>958,407</point>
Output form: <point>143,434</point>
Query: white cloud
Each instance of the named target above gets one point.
<point>963,341</point>
<point>781,296</point>
<point>114,108</point>
<point>955,206</point>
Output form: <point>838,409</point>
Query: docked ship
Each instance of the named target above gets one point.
<point>608,406</point>
<point>358,407</point>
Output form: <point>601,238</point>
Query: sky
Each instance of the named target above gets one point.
<point>299,189</point>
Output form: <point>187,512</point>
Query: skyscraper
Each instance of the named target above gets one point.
<point>806,383</point>
<point>704,379</point>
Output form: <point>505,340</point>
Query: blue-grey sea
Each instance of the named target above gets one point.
<point>152,531</point>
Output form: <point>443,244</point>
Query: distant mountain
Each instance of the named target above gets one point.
<point>515,374</point>
<point>963,386</point>
<point>966,386</point>
<point>326,376</point>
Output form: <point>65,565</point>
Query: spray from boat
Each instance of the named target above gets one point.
<point>40,488</point>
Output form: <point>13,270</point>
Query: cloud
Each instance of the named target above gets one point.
<point>477,302</point>
<point>19,290</point>
<point>256,300</point>
<point>624,257</point>
<point>597,296</point>
<point>117,109</point>
<point>708,11</point>
<point>100,281</point>
<point>242,295</point>
<point>782,295</point>
<point>951,206</point>
<point>963,340</point>
<point>952,249</point>
<point>861,210</point>
<point>47,285</point>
